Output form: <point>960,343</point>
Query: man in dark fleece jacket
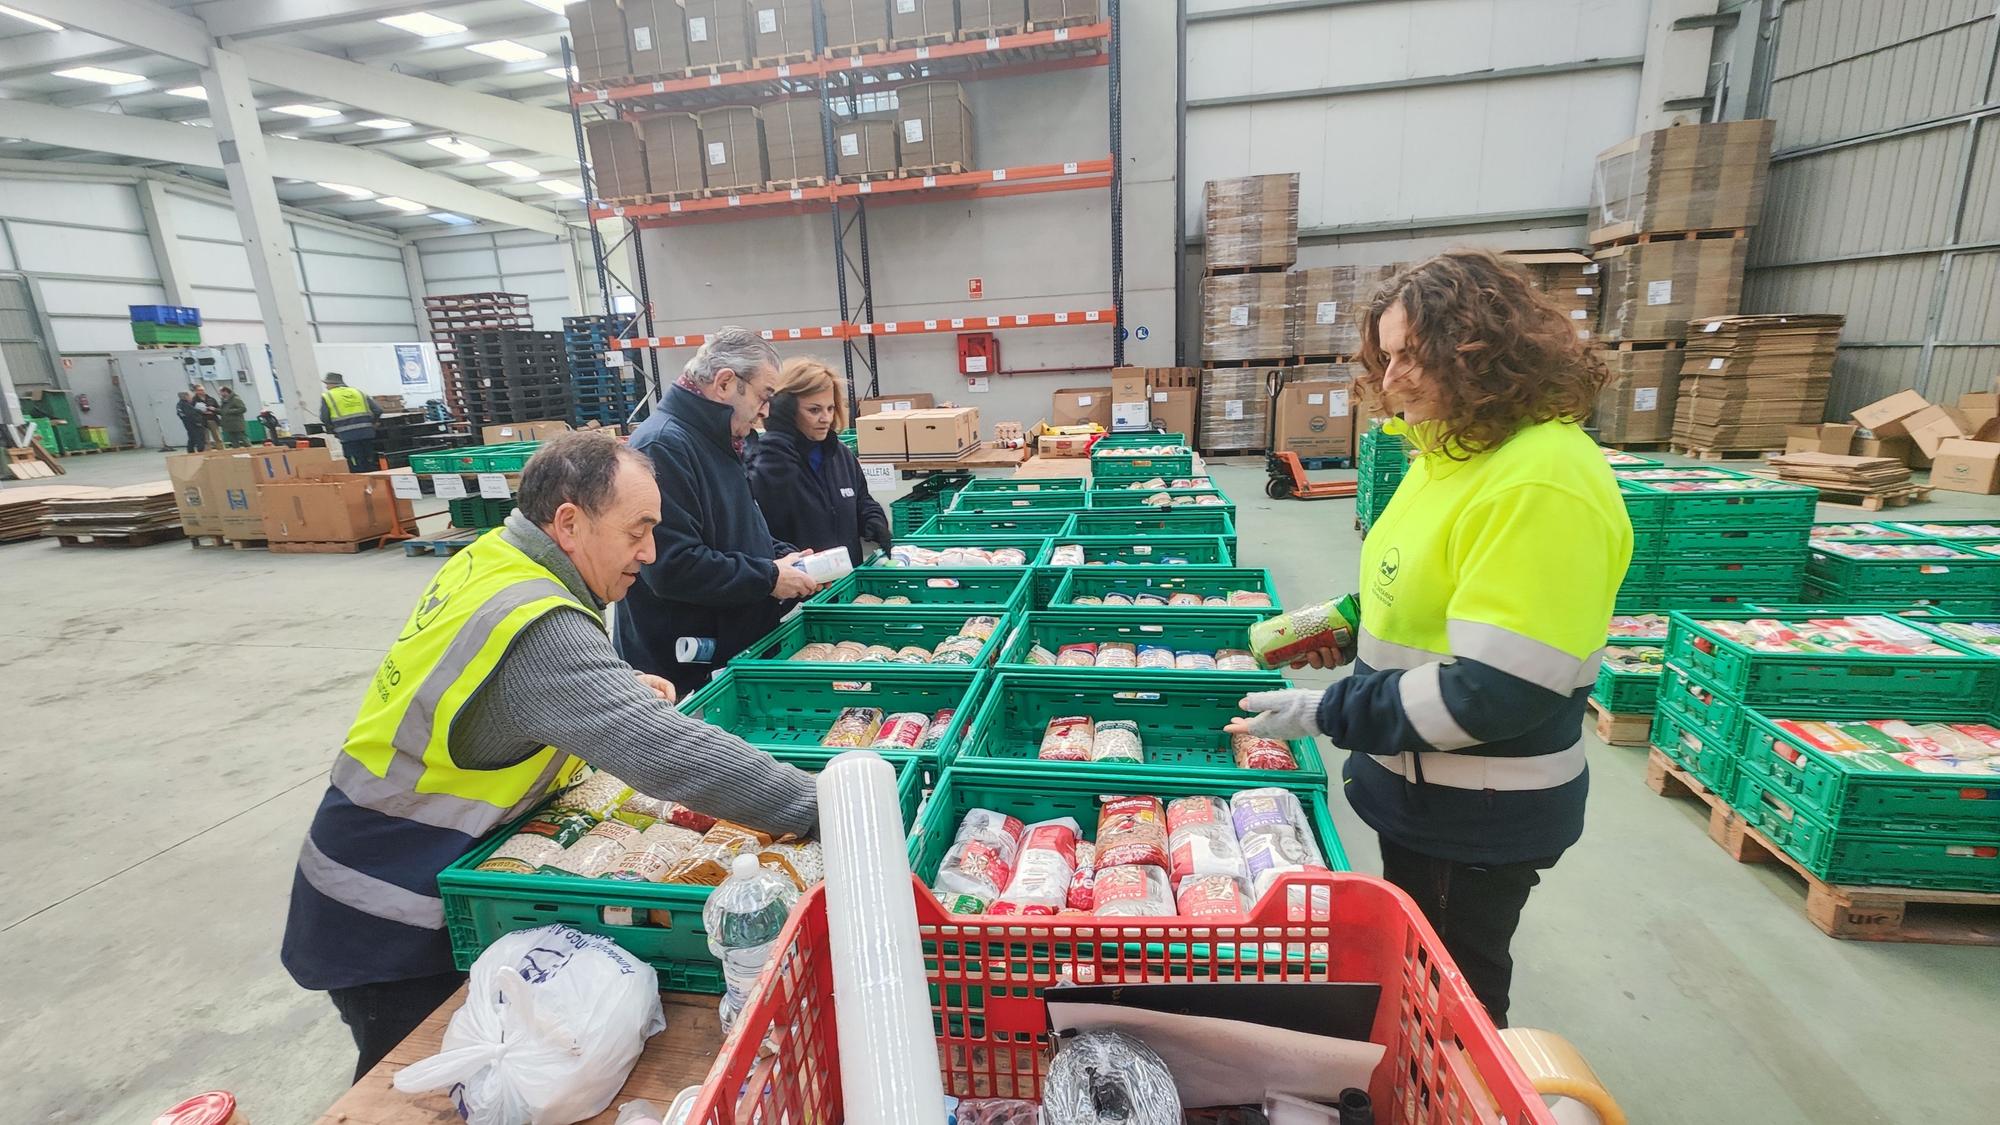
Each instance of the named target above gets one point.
<point>720,579</point>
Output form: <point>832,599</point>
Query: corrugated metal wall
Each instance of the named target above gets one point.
<point>1885,191</point>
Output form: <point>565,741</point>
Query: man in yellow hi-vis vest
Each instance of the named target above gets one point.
<point>351,416</point>
<point>500,686</point>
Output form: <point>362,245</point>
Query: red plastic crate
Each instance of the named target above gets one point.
<point>1445,1062</point>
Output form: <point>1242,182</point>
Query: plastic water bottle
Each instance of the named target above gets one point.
<point>744,917</point>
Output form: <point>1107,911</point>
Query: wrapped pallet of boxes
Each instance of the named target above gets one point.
<point>794,145</point>
<point>1251,222</point>
<point>916,23</point>
<point>991,17</point>
<point>597,39</point>
<point>933,128</point>
<point>1747,380</point>
<point>781,30</point>
<point>1246,316</point>
<point>1688,177</point>
<point>1327,303</point>
<point>864,148</point>
<point>1567,277</point>
<point>617,158</point>
<point>656,31</point>
<point>718,34</point>
<point>1060,13</point>
<point>1236,408</point>
<point>1637,404</point>
<point>673,152</point>
<point>1652,290</point>
<point>855,26</point>
<point>1315,411</point>
<point>732,141</point>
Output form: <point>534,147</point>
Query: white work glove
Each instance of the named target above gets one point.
<point>1293,713</point>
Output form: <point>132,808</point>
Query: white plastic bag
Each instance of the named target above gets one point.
<point>553,1021</point>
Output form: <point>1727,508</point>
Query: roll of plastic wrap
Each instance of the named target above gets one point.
<point>881,1001</point>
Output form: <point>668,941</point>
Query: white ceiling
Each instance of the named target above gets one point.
<point>340,29</point>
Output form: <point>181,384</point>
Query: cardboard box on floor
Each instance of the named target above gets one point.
<point>200,512</point>
<point>1079,406</point>
<point>1963,465</point>
<point>1830,437</point>
<point>1975,410</point>
<point>883,434</point>
<point>521,431</point>
<point>1884,417</point>
<point>1900,448</point>
<point>1315,418</point>
<point>346,508</point>
<point>946,433</point>
<point>920,400</point>
<point>1929,428</point>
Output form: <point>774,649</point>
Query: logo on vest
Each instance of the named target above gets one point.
<point>449,581</point>
<point>1385,575</point>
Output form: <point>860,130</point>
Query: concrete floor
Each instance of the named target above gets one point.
<point>171,714</point>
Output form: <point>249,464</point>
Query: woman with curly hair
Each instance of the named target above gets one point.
<point>1486,589</point>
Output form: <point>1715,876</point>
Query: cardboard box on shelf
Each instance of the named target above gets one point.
<point>1687,177</point>
<point>521,431</point>
<point>1252,221</point>
<point>1652,290</point>
<point>597,40</point>
<point>1246,316</point>
<point>732,141</point>
<point>781,27</point>
<point>864,146</point>
<point>933,126</point>
<point>793,145</point>
<point>1884,418</point>
<point>673,152</point>
<point>1637,403</point>
<point>989,17</point>
<point>945,432</point>
<point>883,434</point>
<point>340,509</point>
<point>656,32</point>
<point>851,23</point>
<point>617,158</point>
<point>918,400</point>
<point>1964,465</point>
<point>1930,427</point>
<point>718,31</point>
<point>1828,437</point>
<point>1315,417</point>
<point>1077,406</point>
<point>923,19</point>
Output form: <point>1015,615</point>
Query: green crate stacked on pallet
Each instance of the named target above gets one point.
<point>477,513</point>
<point>925,499</point>
<point>1161,500</point>
<point>1383,460</point>
<point>1191,638</point>
<point>972,501</point>
<point>1713,538</point>
<point>1162,521</point>
<point>1140,457</point>
<point>952,521</point>
<point>508,457</point>
<point>885,636</point>
<point>1628,682</point>
<point>1906,562</point>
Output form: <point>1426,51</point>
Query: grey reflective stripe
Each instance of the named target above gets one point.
<point>1422,696</point>
<point>366,893</point>
<point>1478,771</point>
<point>1380,654</point>
<point>1523,657</point>
<point>413,733</point>
<point>396,795</point>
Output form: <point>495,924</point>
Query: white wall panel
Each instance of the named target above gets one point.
<point>331,274</point>
<point>91,335</point>
<point>442,271</point>
<point>213,264</point>
<point>61,296</point>
<point>386,311</point>
<point>227,304</point>
<point>546,258</point>
<point>202,218</point>
<point>48,249</point>
<point>314,237</point>
<point>113,206</point>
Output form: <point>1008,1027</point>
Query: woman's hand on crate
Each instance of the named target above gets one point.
<point>1293,713</point>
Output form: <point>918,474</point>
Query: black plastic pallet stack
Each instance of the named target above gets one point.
<point>512,375</point>
<point>601,393</point>
<point>404,432</point>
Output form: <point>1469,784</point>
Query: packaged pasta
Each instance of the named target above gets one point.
<point>1257,753</point>
<point>937,730</point>
<point>1209,896</point>
<point>1132,892</point>
<point>878,654</point>
<point>1082,885</point>
<point>1080,655</point>
<point>1132,831</point>
<point>1156,656</point>
<point>821,651</point>
<point>1042,874</point>
<point>1068,738</point>
<point>1235,660</point>
<point>1066,554</point>
<point>1117,654</point>
<point>1041,657</point>
<point>853,728</point>
<point>902,731</point>
<point>1117,740</point>
<point>982,627</point>
<point>959,649</point>
<point>1194,661</point>
<point>913,654</point>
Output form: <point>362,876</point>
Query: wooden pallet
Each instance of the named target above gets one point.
<point>1230,451</point>
<point>125,539</point>
<point>1643,238</point>
<point>911,42</point>
<point>703,70</point>
<point>851,50</point>
<point>316,547</point>
<point>1852,913</point>
<point>83,452</point>
<point>1078,20</point>
<point>216,542</point>
<point>717,192</point>
<point>875,177</point>
<point>443,546</point>
<point>796,185</point>
<point>1644,345</point>
<point>919,171</point>
<point>1636,446</point>
<point>1316,464</point>
<point>1236,364</point>
<point>998,31</point>
<point>1722,454</point>
<point>790,58</point>
<point>1306,359</point>
<point>1621,728</point>
<point>1231,271</point>
<point>1874,501</point>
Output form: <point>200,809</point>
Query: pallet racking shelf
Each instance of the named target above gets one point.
<point>985,183</point>
<point>886,328</point>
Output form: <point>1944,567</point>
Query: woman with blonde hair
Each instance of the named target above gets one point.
<point>807,482</point>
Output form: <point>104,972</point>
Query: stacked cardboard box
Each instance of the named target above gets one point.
<point>918,22</point>
<point>656,31</point>
<point>853,25</point>
<point>991,17</point>
<point>1908,427</point>
<point>1689,177</point>
<point>933,126</point>
<point>718,33</point>
<point>794,145</point>
<point>864,147</point>
<point>1328,304</point>
<point>1637,404</point>
<point>781,29</point>
<point>1168,393</point>
<point>1058,13</point>
<point>673,151</point>
<point>1131,404</point>
<point>617,158</point>
<point>1250,223</point>
<point>1745,380</point>
<point>1236,407</point>
<point>732,138</point>
<point>1652,290</point>
<point>1246,316</point>
<point>1315,410</point>
<point>1081,406</point>
<point>1567,277</point>
<point>597,37</point>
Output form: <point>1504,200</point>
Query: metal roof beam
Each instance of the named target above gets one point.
<point>39,52</point>
<point>135,23</point>
<point>247,19</point>
<point>404,45</point>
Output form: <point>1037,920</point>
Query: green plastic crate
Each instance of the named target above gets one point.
<point>1700,603</point>
<point>1880,532</point>
<point>1180,722</point>
<point>971,589</point>
<point>1658,471</point>
<point>1978,631</point>
<point>969,501</point>
<point>1958,569</point>
<point>1105,468</point>
<point>1975,531</point>
<point>1629,692</point>
<point>1734,543</point>
<point>1643,506</point>
<point>1869,789</point>
<point>1835,684</point>
<point>478,512</point>
<point>1647,542</point>
<point>1695,750</point>
<point>1713,714</point>
<point>480,907</point>
<point>1748,502</point>
<point>509,457</point>
<point>979,522</point>
<point>1204,630</point>
<point>1139,437</point>
<point>1963,861</point>
<point>1116,550</point>
<point>1165,521</point>
<point>1048,798</point>
<point>1030,485</point>
<point>1166,581</point>
<point>871,625</point>
<point>1765,577</point>
<point>1619,459</point>
<point>781,707</point>
<point>1035,546</point>
<point>147,332</point>
<point>1199,499</point>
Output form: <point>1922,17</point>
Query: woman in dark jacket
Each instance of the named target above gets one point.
<point>807,482</point>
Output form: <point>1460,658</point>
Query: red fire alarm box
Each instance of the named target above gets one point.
<point>978,353</point>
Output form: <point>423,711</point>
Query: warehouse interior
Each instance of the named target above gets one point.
<point>1040,229</point>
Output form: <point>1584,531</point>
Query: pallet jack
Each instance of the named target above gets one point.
<point>1285,476</point>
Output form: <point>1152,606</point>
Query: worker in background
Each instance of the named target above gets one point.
<point>233,413</point>
<point>211,417</point>
<point>720,580</point>
<point>190,416</point>
<point>1486,593</point>
<point>351,416</point>
<point>500,685</point>
<point>806,480</point>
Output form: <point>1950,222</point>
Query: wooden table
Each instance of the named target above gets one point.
<point>671,1061</point>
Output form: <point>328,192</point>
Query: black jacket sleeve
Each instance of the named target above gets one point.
<point>777,484</point>
<point>687,569</point>
<point>874,521</point>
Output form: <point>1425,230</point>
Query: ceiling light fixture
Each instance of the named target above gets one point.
<point>424,24</point>
<point>463,149</point>
<point>513,168</point>
<point>309,112</point>
<point>401,204</point>
<point>506,50</point>
<point>195,92</point>
<point>383,123</point>
<point>555,6</point>
<point>451,219</point>
<point>45,25</point>
<point>561,187</point>
<point>348,190</point>
<point>100,74</point>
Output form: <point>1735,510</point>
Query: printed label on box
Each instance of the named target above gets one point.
<point>1085,400</point>
<point>1159,396</point>
<point>1591,268</point>
<point>1715,364</point>
<point>448,486</point>
<point>642,38</point>
<point>406,486</point>
<point>913,131</point>
<point>1660,292</point>
<point>905,7</point>
<point>1585,291</point>
<point>493,486</point>
<point>975,363</point>
<point>697,29</point>
<point>1577,314</point>
<point>850,144</point>
<point>1328,313</point>
<point>1239,315</point>
<point>1645,398</point>
<point>1336,404</point>
<point>767,20</point>
<point>1315,400</point>
<point>1233,409</point>
<point>718,153</point>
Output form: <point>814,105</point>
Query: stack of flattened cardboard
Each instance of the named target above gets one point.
<point>618,158</point>
<point>794,145</point>
<point>1328,304</point>
<point>1653,289</point>
<point>1688,177</point>
<point>597,40</point>
<point>1636,405</point>
<point>1251,222</point>
<point>1236,408</point>
<point>1836,472</point>
<point>1745,380</point>
<point>135,513</point>
<point>24,510</point>
<point>933,127</point>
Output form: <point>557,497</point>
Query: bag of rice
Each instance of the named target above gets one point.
<point>1257,753</point>
<point>1040,884</point>
<point>1193,661</point>
<point>1117,654</point>
<point>1209,896</point>
<point>1201,840</point>
<point>1132,832</point>
<point>1156,656</point>
<point>1066,554</point>
<point>1132,892</point>
<point>853,728</point>
<point>1068,738</point>
<point>1235,660</point>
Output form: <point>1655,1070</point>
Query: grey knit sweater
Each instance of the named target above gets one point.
<point>562,685</point>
